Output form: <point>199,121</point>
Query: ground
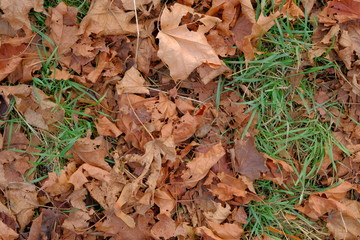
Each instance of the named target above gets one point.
<point>181,119</point>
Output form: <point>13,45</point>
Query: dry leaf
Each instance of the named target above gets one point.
<point>227,230</point>
<point>79,177</point>
<point>23,200</point>
<point>229,187</point>
<point>164,201</point>
<point>343,227</point>
<point>164,228</point>
<point>92,151</point>
<point>199,167</point>
<point>220,213</point>
<point>7,233</point>
<point>132,82</point>
<point>106,128</point>
<point>308,5</point>
<point>77,221</point>
<point>35,105</point>
<point>10,58</point>
<point>343,11</point>
<point>183,50</point>
<point>247,29</point>
<point>46,225</point>
<point>104,18</point>
<point>16,13</point>
<point>249,161</point>
<point>57,185</point>
<point>289,8</point>
<point>63,28</point>
<point>156,152</point>
<point>129,4</point>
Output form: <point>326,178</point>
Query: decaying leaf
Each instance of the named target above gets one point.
<point>343,227</point>
<point>132,82</point>
<point>91,151</point>
<point>35,105</point>
<point>183,50</point>
<point>105,18</point>
<point>106,128</point>
<point>63,28</point>
<point>249,161</point>
<point>226,231</point>
<point>156,152</point>
<point>164,228</point>
<point>16,13</point>
<point>199,167</point>
<point>246,29</point>
<point>23,201</point>
<point>7,233</point>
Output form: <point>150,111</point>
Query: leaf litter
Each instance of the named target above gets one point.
<point>164,161</point>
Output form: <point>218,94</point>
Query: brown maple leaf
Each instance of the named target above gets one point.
<point>104,18</point>
<point>247,29</point>
<point>249,161</point>
<point>63,27</point>
<point>181,49</point>
<point>16,13</point>
<point>199,167</point>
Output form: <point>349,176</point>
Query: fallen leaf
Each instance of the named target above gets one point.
<point>59,184</point>
<point>164,201</point>
<point>63,28</point>
<point>220,213</point>
<point>247,29</point>
<point>156,152</point>
<point>77,221</point>
<point>229,187</point>
<point>16,13</point>
<point>102,61</point>
<point>46,225</point>
<point>343,227</point>
<point>79,177</point>
<point>249,161</point>
<point>289,8</point>
<point>227,230</point>
<point>60,74</point>
<point>344,10</point>
<point>105,18</point>
<point>183,50</point>
<point>7,233</point>
<point>35,105</point>
<point>23,200</point>
<point>129,4</point>
<point>206,73</point>
<point>114,226</point>
<point>132,82</point>
<point>199,167</point>
<point>92,151</point>
<point>164,228</point>
<point>10,58</point>
<point>107,128</point>
<point>184,128</point>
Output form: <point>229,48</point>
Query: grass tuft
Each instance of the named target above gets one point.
<point>279,86</point>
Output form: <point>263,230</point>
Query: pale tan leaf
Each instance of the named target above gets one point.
<point>104,18</point>
<point>183,50</point>
<point>132,82</point>
<point>23,200</point>
<point>16,12</point>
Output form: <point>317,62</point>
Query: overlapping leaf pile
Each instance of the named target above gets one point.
<point>179,167</point>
